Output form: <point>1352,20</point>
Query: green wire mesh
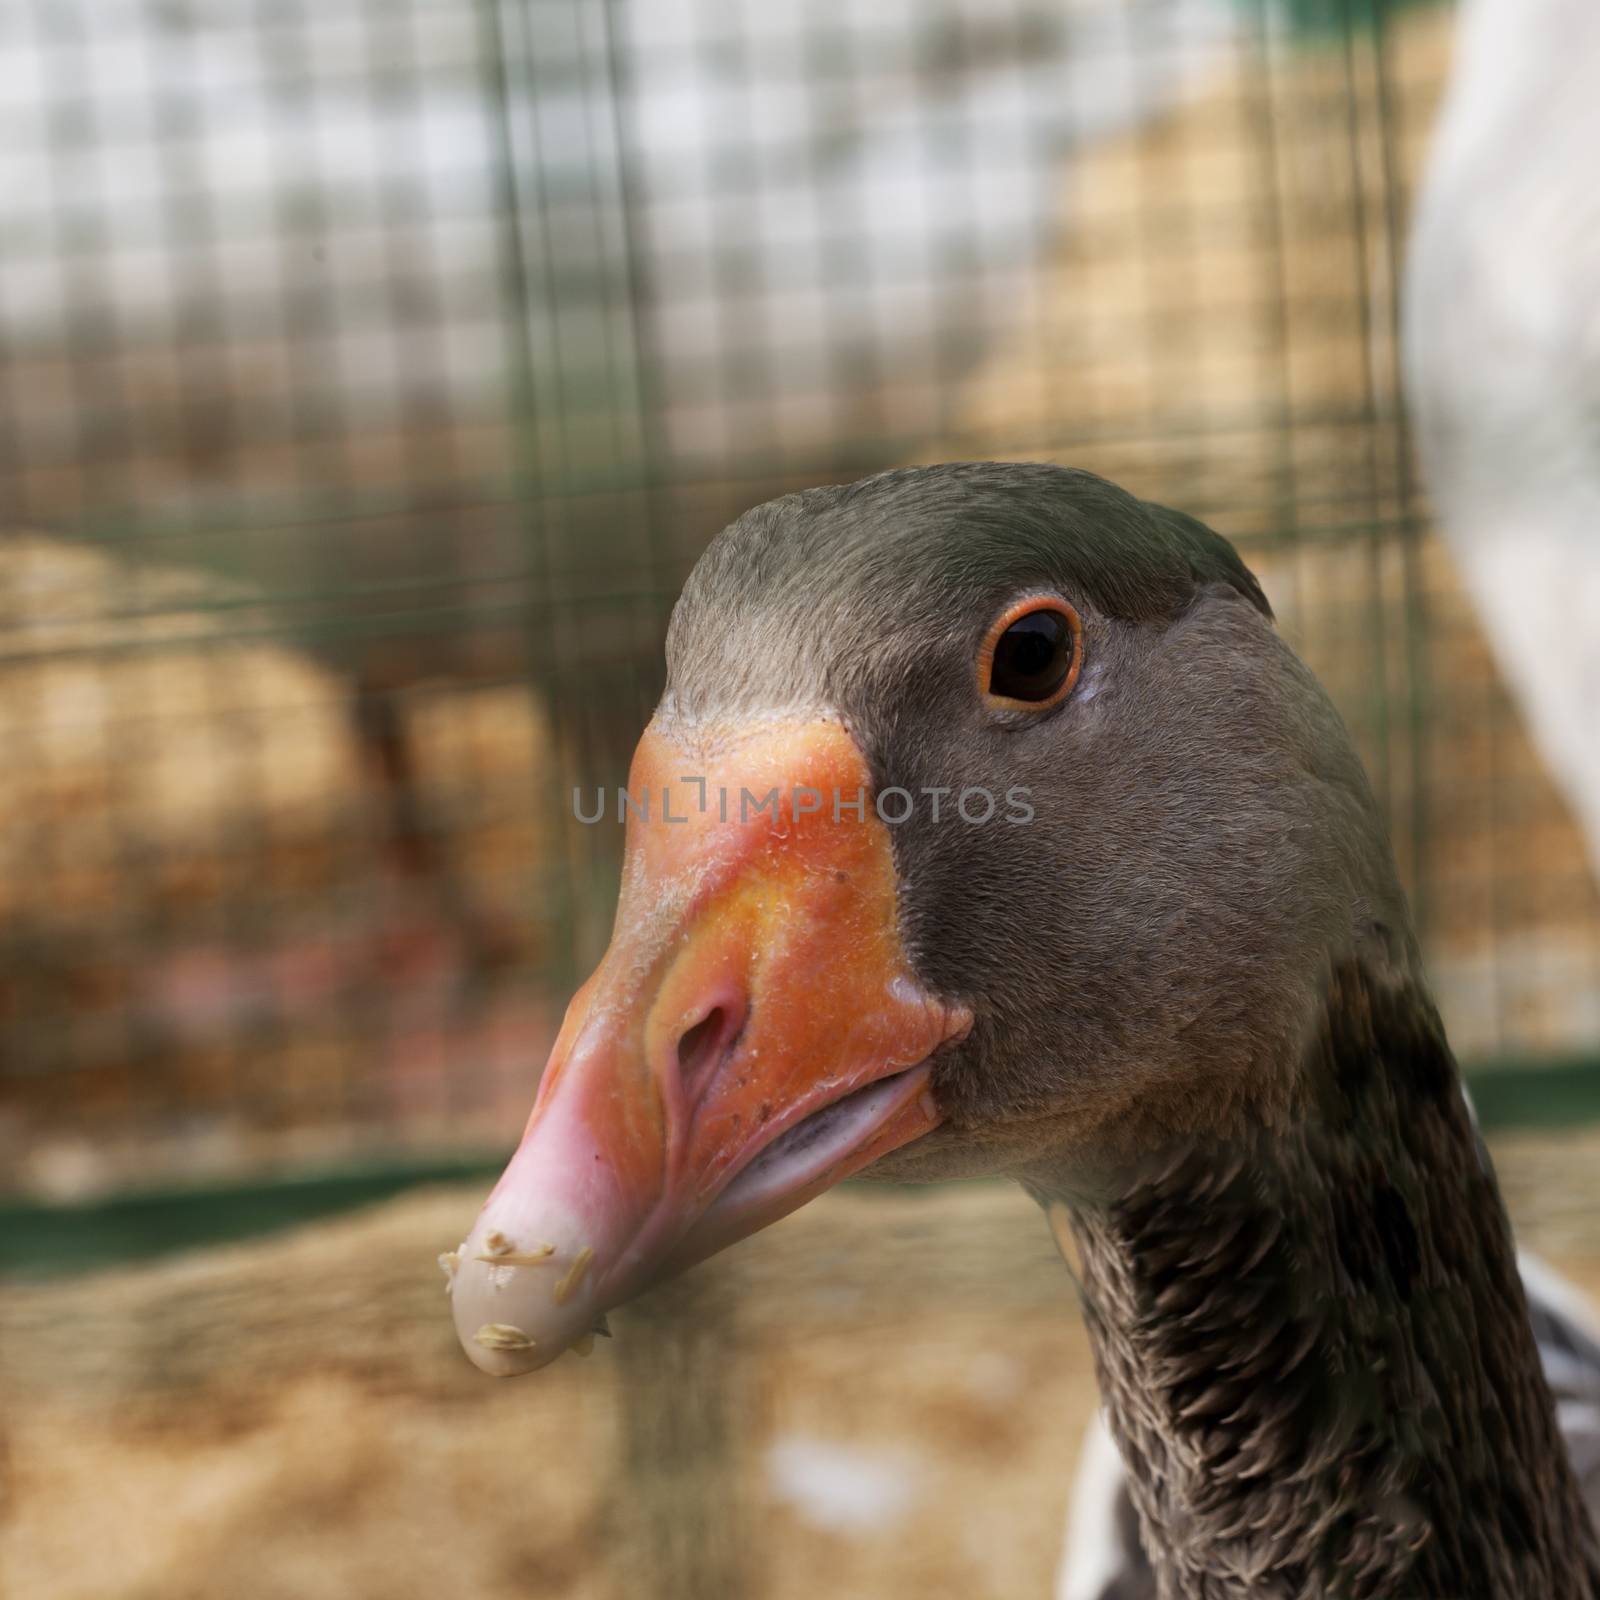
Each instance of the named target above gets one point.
<point>371,374</point>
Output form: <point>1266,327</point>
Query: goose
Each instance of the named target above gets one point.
<point>1501,323</point>
<point>987,826</point>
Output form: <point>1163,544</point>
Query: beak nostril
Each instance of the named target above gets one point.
<point>702,1046</point>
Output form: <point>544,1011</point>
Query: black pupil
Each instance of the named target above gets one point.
<point>1032,657</point>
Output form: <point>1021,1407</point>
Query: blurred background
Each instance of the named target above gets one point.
<point>371,374</point>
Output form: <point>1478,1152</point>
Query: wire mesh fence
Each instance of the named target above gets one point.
<point>371,373</point>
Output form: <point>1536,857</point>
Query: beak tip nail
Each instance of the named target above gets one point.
<point>502,1336</point>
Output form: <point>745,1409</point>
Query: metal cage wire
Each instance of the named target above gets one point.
<point>371,374</point>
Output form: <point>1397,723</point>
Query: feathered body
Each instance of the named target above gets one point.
<point>1315,1349</point>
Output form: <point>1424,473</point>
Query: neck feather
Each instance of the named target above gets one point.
<point>1315,1348</point>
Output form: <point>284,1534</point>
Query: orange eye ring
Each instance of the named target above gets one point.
<point>1032,655</point>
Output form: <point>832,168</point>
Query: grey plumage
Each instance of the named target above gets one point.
<point>1198,763</point>
<point>1316,1350</point>
<point>1200,1024</point>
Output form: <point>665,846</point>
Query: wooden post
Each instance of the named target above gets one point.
<point>679,1506</point>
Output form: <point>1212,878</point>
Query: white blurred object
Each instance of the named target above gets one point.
<point>840,1488</point>
<point>1097,1552</point>
<point>1502,353</point>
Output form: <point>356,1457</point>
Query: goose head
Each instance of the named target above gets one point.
<point>985,826</point>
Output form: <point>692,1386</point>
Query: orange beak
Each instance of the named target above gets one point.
<point>753,1035</point>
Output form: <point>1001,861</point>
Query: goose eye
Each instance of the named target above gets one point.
<point>1030,659</point>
